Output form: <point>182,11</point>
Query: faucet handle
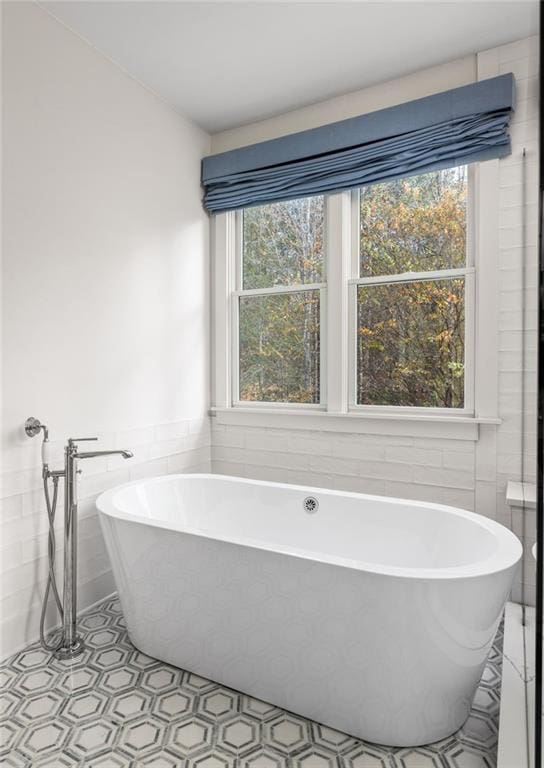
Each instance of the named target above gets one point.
<point>80,439</point>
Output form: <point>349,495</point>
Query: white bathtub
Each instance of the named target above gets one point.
<point>370,614</point>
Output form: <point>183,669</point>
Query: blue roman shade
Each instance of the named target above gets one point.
<point>463,125</point>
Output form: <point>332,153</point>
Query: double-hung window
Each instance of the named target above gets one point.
<point>413,294</point>
<point>279,303</point>
<point>355,302</point>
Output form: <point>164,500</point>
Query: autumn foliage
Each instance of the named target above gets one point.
<point>410,333</point>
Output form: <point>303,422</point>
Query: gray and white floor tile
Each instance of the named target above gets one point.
<point>114,707</point>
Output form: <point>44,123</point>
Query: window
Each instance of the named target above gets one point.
<point>411,347</point>
<point>279,298</point>
<point>358,302</point>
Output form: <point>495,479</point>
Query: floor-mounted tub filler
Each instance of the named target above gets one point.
<point>369,614</point>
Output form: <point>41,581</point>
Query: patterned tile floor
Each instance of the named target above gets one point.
<point>115,707</point>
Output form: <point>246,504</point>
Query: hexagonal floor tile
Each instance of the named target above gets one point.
<point>332,739</point>
<point>14,760</point>
<point>491,677</point>
<point>111,658</point>
<point>41,706</point>
<point>130,705</point>
<point>120,623</point>
<point>92,621</point>
<point>190,736</point>
<point>141,661</point>
<point>162,679</point>
<point>218,704</point>
<point>99,638</point>
<point>112,606</point>
<point>160,760</point>
<point>9,701</point>
<point>92,739</point>
<point>78,680</point>
<point>36,681</point>
<point>419,757</point>
<point>118,681</point>
<point>263,757</point>
<point>313,757</point>
<point>172,705</point>
<point>467,757</point>
<point>196,683</point>
<point>142,737</point>
<point>366,757</point>
<point>57,761</point>
<point>7,678</point>
<point>239,734</point>
<point>287,733</point>
<point>84,706</point>
<point>8,734</point>
<point>74,713</point>
<point>43,739</point>
<point>31,658</point>
<point>112,759</point>
<point>212,759</point>
<point>479,731</point>
<point>487,701</point>
<point>258,709</point>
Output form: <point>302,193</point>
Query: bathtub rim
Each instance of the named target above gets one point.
<point>508,554</point>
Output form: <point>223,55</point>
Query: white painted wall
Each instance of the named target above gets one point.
<point>468,474</point>
<point>415,85</point>
<point>105,276</point>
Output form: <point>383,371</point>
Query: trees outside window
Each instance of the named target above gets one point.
<point>279,329</point>
<point>409,294</point>
<point>411,305</point>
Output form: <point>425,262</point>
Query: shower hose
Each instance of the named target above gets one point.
<point>51,506</point>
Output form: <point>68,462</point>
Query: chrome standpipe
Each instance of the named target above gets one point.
<point>70,644</point>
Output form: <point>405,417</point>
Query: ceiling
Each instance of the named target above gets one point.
<point>225,64</point>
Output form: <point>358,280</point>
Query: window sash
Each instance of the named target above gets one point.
<point>239,292</point>
<point>237,295</point>
<point>469,276</point>
<point>355,267</point>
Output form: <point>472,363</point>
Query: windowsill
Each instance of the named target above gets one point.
<point>407,424</point>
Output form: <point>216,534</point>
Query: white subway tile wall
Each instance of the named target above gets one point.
<point>457,472</point>
<point>515,443</point>
<point>182,446</point>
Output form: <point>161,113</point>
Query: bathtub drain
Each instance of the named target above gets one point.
<point>310,504</point>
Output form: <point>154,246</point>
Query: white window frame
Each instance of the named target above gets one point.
<point>241,292</point>
<point>468,272</point>
<point>337,410</point>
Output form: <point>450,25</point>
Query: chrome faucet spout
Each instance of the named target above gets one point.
<point>93,454</point>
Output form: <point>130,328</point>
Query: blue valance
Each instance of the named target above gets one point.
<point>463,125</point>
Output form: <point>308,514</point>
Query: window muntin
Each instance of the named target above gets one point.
<point>279,303</point>
<point>412,322</point>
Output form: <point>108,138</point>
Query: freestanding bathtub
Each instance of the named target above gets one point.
<point>369,614</point>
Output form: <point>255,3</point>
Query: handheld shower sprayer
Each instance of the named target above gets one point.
<point>66,644</point>
<point>33,427</point>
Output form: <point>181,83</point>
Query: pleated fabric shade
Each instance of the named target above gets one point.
<point>463,125</point>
